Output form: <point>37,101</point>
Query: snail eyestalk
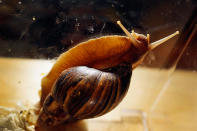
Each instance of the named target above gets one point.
<point>148,39</point>
<point>159,42</point>
<point>134,34</point>
<point>128,34</point>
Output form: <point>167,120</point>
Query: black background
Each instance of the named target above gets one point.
<point>42,29</point>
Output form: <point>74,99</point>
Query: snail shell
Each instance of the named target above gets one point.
<point>91,94</point>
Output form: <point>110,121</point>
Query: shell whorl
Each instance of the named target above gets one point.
<point>82,92</point>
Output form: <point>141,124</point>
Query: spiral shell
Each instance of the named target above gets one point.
<point>82,92</point>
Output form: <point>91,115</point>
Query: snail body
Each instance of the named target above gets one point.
<point>91,78</point>
<point>100,53</point>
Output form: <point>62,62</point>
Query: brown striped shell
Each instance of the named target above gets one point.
<point>91,94</point>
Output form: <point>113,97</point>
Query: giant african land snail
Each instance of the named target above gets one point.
<point>92,78</point>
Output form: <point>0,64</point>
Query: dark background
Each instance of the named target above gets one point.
<point>42,29</point>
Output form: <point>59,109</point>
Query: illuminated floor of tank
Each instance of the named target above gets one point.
<point>176,109</point>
